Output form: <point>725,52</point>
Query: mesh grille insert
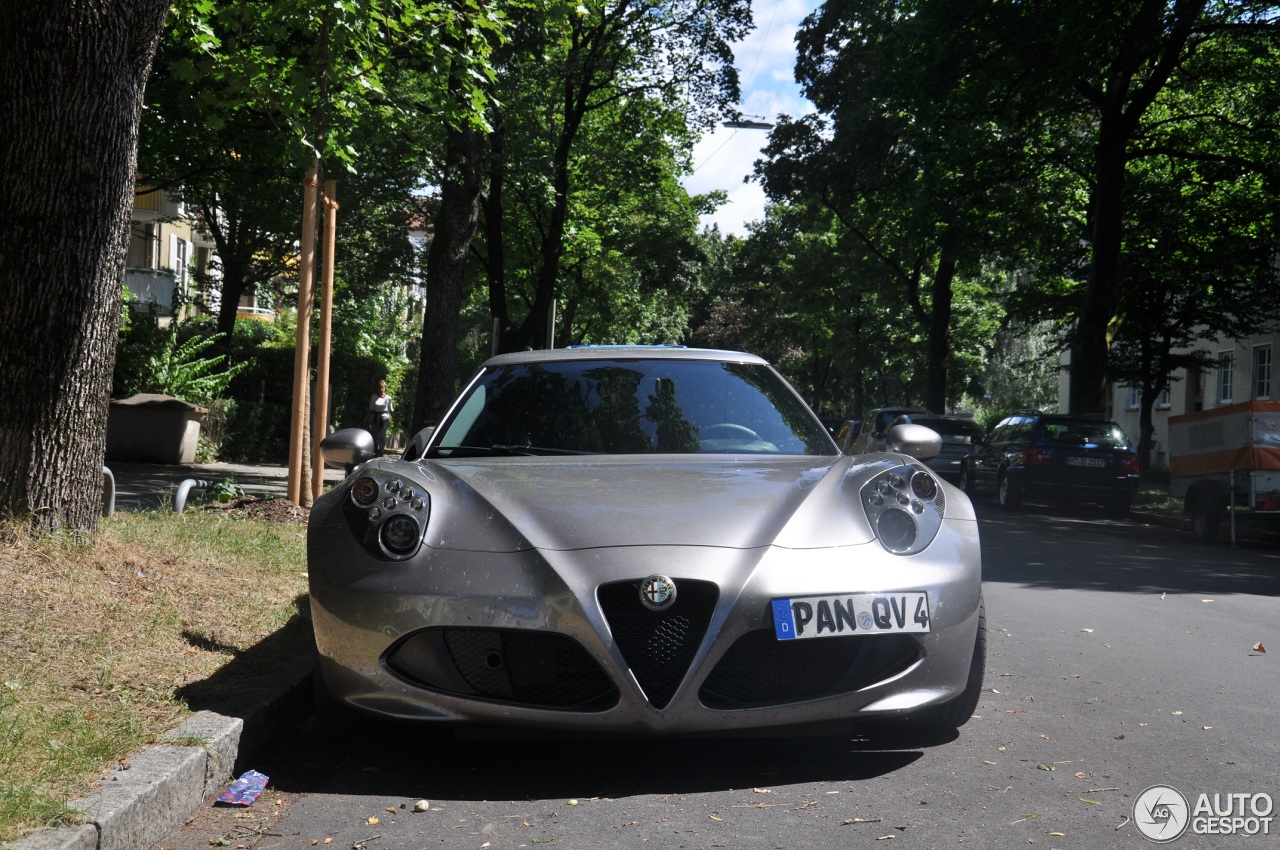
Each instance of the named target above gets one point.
<point>658,645</point>
<point>518,666</point>
<point>760,670</point>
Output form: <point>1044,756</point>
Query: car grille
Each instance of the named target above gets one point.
<point>520,666</point>
<point>760,670</point>
<point>658,645</point>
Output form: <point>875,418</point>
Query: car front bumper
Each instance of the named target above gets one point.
<point>559,639</point>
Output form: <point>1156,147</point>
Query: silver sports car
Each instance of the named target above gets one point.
<point>651,540</point>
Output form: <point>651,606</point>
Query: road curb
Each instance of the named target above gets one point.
<point>165,784</point>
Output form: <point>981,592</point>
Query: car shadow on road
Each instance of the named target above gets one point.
<point>1075,547</point>
<point>406,760</point>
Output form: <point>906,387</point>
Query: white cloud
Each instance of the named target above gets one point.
<point>766,62</point>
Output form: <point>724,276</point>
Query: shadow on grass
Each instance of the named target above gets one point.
<point>267,685</point>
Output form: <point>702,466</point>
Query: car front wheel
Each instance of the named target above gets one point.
<point>1005,492</point>
<point>951,715</point>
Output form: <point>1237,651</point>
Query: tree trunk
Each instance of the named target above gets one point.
<point>454,228</point>
<point>939,329</point>
<point>74,76</point>
<point>1090,344</point>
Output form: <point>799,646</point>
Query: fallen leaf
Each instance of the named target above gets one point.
<point>1044,766</point>
<point>391,809</point>
<point>572,803</point>
<point>1081,775</point>
<point>1258,647</point>
<point>315,841</point>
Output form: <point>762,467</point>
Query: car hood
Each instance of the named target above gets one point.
<point>559,504</point>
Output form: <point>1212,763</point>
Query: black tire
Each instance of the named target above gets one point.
<point>951,715</point>
<point>1205,521</point>
<point>1006,494</point>
<point>965,481</point>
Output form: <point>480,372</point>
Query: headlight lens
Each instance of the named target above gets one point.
<point>904,505</point>
<point>365,490</point>
<point>400,534</point>
<point>388,514</point>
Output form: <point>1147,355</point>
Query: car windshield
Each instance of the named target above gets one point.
<point>631,407</point>
<point>1082,432</point>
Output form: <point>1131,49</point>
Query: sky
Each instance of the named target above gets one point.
<point>766,71</point>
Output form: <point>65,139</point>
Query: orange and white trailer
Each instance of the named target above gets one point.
<point>1225,463</point>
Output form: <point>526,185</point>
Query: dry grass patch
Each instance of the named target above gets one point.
<point>105,646</point>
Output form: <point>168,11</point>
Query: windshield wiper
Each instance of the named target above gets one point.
<point>537,450</point>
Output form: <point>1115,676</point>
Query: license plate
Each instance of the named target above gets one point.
<point>804,617</point>
<point>1087,461</point>
<point>955,449</point>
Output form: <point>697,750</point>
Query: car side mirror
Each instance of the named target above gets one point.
<point>348,448</point>
<point>917,441</point>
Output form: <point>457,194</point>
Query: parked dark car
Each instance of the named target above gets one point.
<point>1054,457</point>
<point>871,432</point>
<point>846,433</point>
<point>959,435</point>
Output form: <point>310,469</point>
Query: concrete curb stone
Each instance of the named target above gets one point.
<point>165,784</point>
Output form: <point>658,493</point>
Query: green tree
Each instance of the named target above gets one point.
<point>906,151</point>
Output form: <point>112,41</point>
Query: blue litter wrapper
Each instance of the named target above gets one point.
<point>245,790</point>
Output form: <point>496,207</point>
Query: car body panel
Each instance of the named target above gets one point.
<point>523,602</point>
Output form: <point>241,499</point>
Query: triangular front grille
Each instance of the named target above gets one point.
<point>658,645</point>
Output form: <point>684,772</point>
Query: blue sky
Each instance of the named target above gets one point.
<point>766,63</point>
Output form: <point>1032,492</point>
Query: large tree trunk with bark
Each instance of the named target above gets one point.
<point>454,227</point>
<point>74,76</point>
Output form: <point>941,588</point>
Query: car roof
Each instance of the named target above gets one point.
<point>622,352</point>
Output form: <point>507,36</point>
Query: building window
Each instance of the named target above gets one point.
<point>1226,376</point>
<point>1164,402</point>
<point>1135,398</point>
<point>1262,372</point>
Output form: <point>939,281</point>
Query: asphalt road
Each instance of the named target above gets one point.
<point>1120,657</point>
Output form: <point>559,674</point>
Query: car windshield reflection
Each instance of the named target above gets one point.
<point>660,406</point>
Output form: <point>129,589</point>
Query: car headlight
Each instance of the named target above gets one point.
<point>904,505</point>
<point>388,514</point>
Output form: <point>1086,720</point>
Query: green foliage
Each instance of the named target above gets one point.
<point>151,359</point>
<point>180,370</point>
<point>226,490</point>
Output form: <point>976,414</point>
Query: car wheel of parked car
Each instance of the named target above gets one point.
<point>1005,492</point>
<point>1204,521</point>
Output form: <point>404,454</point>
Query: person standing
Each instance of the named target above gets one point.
<point>380,410</point>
